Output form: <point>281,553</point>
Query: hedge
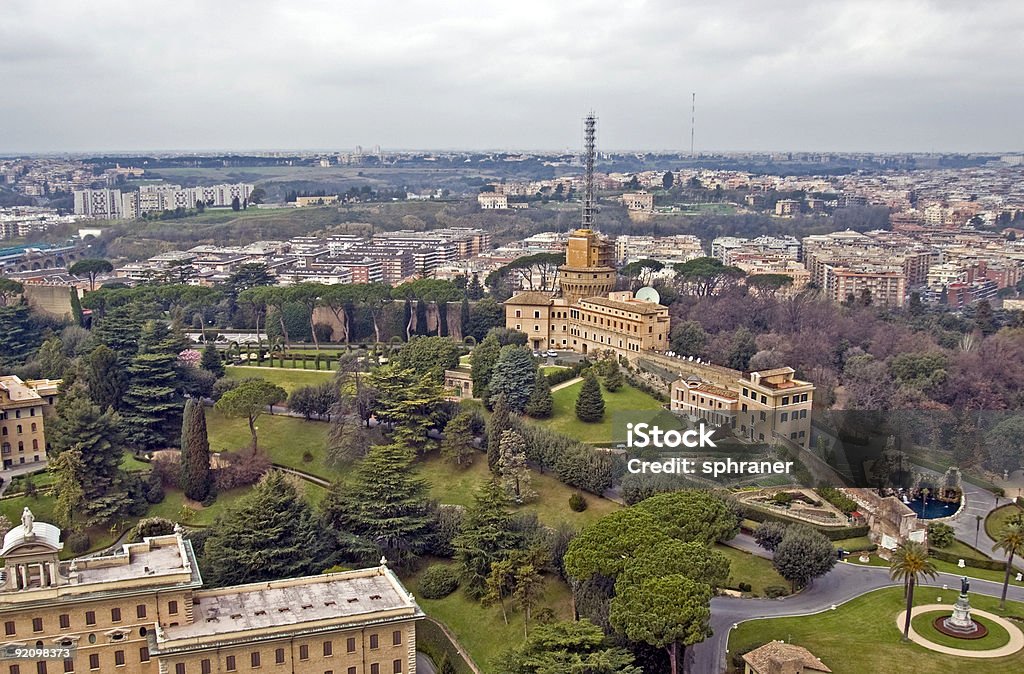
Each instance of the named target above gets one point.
<point>832,533</point>
<point>574,464</point>
<point>990,564</point>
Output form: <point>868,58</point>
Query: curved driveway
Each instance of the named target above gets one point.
<point>845,582</point>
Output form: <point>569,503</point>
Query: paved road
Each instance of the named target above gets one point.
<point>981,502</point>
<point>845,582</point>
<point>424,665</point>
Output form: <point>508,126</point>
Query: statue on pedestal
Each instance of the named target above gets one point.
<point>27,519</point>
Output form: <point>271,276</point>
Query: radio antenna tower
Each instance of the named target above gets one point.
<point>589,136</point>
<point>693,119</point>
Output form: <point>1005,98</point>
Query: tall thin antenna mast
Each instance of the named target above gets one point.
<point>589,136</point>
<point>693,119</point>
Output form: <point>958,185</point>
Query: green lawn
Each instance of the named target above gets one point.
<point>963,550</point>
<point>455,486</point>
<point>481,630</point>
<point>172,507</point>
<point>626,399</point>
<point>946,567</point>
<point>748,568</point>
<point>287,378</point>
<point>284,439</point>
<point>861,636</point>
<point>997,635</point>
<point>998,518</point>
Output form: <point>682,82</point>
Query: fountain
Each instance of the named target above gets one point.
<point>961,625</point>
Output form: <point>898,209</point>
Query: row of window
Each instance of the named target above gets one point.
<point>230,665</point>
<point>17,413</point>
<point>64,619</point>
<point>20,429</point>
<point>6,446</point>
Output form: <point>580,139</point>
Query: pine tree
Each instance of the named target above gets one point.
<point>269,535</point>
<point>457,446</point>
<point>541,404</point>
<point>499,422</point>
<point>485,355</point>
<point>17,338</point>
<point>613,379</point>
<point>196,480</point>
<point>515,477</point>
<point>68,472</point>
<point>475,289</point>
<point>151,412</point>
<point>487,536</point>
<point>119,329</point>
<point>104,378</point>
<point>79,424</point>
<point>384,505</point>
<point>590,403</point>
<point>464,316</point>
<point>513,376</point>
<point>211,361</point>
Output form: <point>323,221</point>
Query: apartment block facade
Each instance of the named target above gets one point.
<point>23,408</point>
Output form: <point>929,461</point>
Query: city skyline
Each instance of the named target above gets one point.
<point>869,77</point>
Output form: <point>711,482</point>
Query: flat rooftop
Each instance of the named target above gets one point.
<point>293,603</point>
<point>138,563</point>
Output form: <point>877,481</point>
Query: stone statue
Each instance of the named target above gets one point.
<point>26,521</point>
<point>965,585</point>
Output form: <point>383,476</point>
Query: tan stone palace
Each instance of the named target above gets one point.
<point>143,610</point>
<point>584,315</point>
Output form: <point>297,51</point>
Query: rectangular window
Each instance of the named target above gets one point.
<point>303,652</point>
<point>179,668</point>
<point>115,615</point>
<point>172,607</point>
<point>37,624</point>
<point>254,658</point>
<point>90,617</point>
<point>204,667</point>
<point>69,665</point>
<point>279,656</point>
<point>140,611</point>
<point>351,670</point>
<point>41,667</point>
<point>375,668</point>
<point>144,654</point>
<point>119,658</point>
<point>784,416</point>
<point>396,638</point>
<point>16,669</point>
<point>350,645</point>
<point>9,627</point>
<point>396,667</point>
<point>374,641</point>
<point>328,648</point>
<point>94,662</point>
<point>65,621</point>
<point>785,400</point>
<point>229,663</point>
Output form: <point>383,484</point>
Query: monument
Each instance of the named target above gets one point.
<point>961,624</point>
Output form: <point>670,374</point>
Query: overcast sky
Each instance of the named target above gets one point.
<point>894,75</point>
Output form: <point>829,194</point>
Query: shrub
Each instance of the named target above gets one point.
<point>240,470</point>
<point>438,582</point>
<point>776,591</point>
<point>449,521</point>
<point>151,526</point>
<point>167,469</point>
<point>745,587</point>
<point>783,498</point>
<point>577,503</point>
<point>838,499</point>
<point>940,535</point>
<point>307,456</point>
<point>210,499</point>
<point>78,542</point>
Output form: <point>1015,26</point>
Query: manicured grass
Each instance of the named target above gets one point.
<point>131,464</point>
<point>848,544</point>
<point>997,635</point>
<point>284,439</point>
<point>455,486</point>
<point>172,507</point>
<point>999,518</point>
<point>481,630</point>
<point>287,378</point>
<point>945,567</point>
<point>747,568</point>
<point>861,636</point>
<point>626,399</point>
<point>963,550</point>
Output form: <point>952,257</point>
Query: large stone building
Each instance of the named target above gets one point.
<point>143,611</point>
<point>23,406</point>
<point>585,316</point>
<point>759,406</point>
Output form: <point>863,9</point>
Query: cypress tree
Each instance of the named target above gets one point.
<point>269,535</point>
<point>211,361</point>
<point>590,403</point>
<point>485,355</point>
<point>384,505</point>
<point>195,452</point>
<point>613,380</point>
<point>464,318</point>
<point>500,422</point>
<point>421,318</point>
<point>541,404</point>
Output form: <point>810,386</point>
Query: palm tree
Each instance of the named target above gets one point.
<point>910,562</point>
<point>1010,541</point>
